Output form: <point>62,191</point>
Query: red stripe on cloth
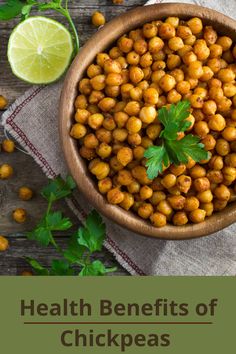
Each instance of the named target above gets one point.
<point>33,149</point>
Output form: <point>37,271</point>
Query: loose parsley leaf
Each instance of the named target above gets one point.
<point>41,234</point>
<point>37,267</point>
<point>95,268</point>
<point>92,235</point>
<point>172,150</point>
<point>58,188</point>
<point>156,156</point>
<point>74,251</point>
<point>11,9</point>
<point>61,267</point>
<point>56,222</point>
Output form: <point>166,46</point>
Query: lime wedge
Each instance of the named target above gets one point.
<point>40,50</point>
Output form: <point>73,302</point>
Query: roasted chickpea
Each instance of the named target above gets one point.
<point>104,185</point>
<point>184,32</point>
<point>197,216</point>
<point>133,187</point>
<point>125,155</point>
<point>209,35</point>
<point>98,82</point>
<point>109,123</point>
<point>168,181</point>
<point>100,170</point>
<point>229,133</point>
<point>145,210</point>
<point>134,139</point>
<point>177,202</point>
<point>201,184</point>
<point>98,19</point>
<point>230,160</point>
<point>85,87</point>
<point>180,218</point>
<point>226,75</point>
<point>229,174</point>
<point>191,203</point>
<point>166,31</point>
<point>158,219</point>
<point>19,215</point>
<point>150,96</point>
<point>95,121</point>
<point>153,131</point>
<point>134,125</point>
<point>140,174</point>
<point>4,243</point>
<point>128,201</point>
<point>103,135</point>
<point>183,87</point>
<point>222,192</point>
<point>225,42</point>
<point>148,114</point>
<point>209,107</point>
<point>222,147</point>
<point>6,171</point>
<point>125,44</point>
<point>115,196</point>
<point>136,74</point>
<point>195,24</point>
<point>184,183</point>
<point>141,46</point>
<point>106,104</point>
<point>81,102</point>
<point>8,145</point>
<point>195,70</point>
<point>3,102</point>
<point>25,193</point>
<point>208,207</point>
<point>104,150</point>
<point>145,192</point>
<point>157,197</point>
<point>209,142</point>
<point>81,116</point>
<point>149,30</point>
<point>201,129</point>
<point>120,134</point>
<point>167,82</point>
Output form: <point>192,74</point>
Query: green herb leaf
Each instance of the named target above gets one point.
<point>156,157</point>
<point>174,119</point>
<point>58,188</point>
<point>37,267</point>
<point>190,146</point>
<point>61,267</point>
<point>41,234</point>
<point>173,150</point>
<point>56,222</point>
<point>74,251</point>
<point>96,268</point>
<point>93,234</point>
<point>11,9</point>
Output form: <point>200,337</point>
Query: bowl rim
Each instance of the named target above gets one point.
<point>100,41</point>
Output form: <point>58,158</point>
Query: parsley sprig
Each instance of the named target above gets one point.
<point>14,8</point>
<point>170,149</point>
<point>81,245</point>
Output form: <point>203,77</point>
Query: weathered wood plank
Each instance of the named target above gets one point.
<point>13,263</point>
<point>27,172</point>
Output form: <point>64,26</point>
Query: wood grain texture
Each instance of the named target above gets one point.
<point>98,43</point>
<point>27,171</point>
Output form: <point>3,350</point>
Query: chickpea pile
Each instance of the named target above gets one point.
<point>116,119</point>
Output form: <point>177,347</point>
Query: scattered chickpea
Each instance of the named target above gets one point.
<point>98,19</point>
<point>4,244</point>
<point>6,171</point>
<point>19,215</point>
<point>3,102</point>
<point>8,145</point>
<point>25,193</point>
<point>26,273</point>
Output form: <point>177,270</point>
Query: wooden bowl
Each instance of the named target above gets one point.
<point>100,42</point>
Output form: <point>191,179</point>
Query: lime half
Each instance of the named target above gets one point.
<point>39,50</point>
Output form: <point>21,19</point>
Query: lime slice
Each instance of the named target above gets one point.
<point>40,50</point>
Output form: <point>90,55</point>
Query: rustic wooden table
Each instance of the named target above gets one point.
<point>27,172</point>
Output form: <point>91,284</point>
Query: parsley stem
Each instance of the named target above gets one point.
<point>111,270</point>
<point>66,13</point>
